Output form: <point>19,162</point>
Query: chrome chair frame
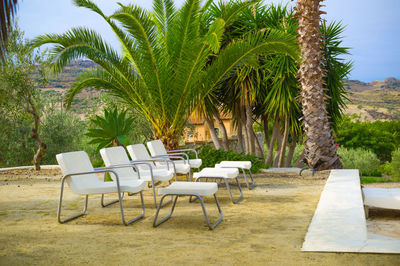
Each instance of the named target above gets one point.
<point>120,196</point>
<point>211,226</point>
<point>227,186</point>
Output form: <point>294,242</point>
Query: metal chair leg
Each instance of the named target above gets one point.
<point>247,181</point>
<point>252,180</point>
<point>230,192</point>
<point>155,223</point>
<point>109,203</point>
<point>211,226</point>
<point>60,205</point>
<point>137,217</point>
<point>205,212</point>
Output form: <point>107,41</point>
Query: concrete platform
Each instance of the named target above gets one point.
<point>339,223</point>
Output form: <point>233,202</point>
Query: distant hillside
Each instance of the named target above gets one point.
<point>58,85</point>
<point>377,100</point>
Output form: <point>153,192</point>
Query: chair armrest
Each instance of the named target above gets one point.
<point>116,166</point>
<point>95,171</point>
<point>181,154</point>
<point>183,150</point>
<point>170,157</point>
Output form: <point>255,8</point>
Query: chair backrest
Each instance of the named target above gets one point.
<point>139,152</point>
<point>156,147</point>
<point>75,162</point>
<point>115,156</point>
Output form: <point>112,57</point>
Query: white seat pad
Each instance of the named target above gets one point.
<point>158,174</point>
<point>240,164</point>
<point>388,198</point>
<point>217,172</point>
<point>195,163</point>
<point>132,186</point>
<point>201,188</point>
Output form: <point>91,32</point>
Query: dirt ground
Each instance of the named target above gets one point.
<point>266,228</point>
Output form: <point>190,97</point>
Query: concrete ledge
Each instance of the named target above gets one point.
<point>339,223</point>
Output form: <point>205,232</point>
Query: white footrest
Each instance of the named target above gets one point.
<point>240,164</point>
<point>217,172</point>
<point>200,188</point>
<point>388,198</point>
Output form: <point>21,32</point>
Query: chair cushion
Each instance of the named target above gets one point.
<point>156,147</point>
<point>195,163</point>
<point>115,156</point>
<point>240,164</point>
<point>132,186</point>
<point>217,172</point>
<point>201,188</point>
<point>387,198</point>
<point>158,174</point>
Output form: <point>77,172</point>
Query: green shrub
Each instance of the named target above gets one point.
<point>395,164</point>
<point>366,161</point>
<point>211,156</point>
<point>297,152</point>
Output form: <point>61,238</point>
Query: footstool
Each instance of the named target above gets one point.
<point>192,189</point>
<point>243,165</point>
<point>221,173</point>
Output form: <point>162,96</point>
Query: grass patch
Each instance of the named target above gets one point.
<point>375,179</point>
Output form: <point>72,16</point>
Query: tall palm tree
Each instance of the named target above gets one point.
<point>7,12</point>
<point>320,149</point>
<point>164,69</point>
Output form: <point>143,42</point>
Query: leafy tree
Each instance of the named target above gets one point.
<point>62,131</point>
<point>19,90</point>
<point>110,130</point>
<point>164,69</point>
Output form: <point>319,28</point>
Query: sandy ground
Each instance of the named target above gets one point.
<point>266,228</point>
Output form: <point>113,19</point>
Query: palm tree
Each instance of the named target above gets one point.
<point>320,149</point>
<point>164,69</point>
<point>7,12</point>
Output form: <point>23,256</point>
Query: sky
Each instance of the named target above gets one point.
<point>372,28</point>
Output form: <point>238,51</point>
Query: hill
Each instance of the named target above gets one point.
<point>377,100</point>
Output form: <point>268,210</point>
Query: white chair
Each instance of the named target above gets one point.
<point>117,157</point>
<point>192,189</point>
<point>182,164</point>
<point>82,179</point>
<point>243,165</point>
<point>221,174</point>
<point>385,198</point>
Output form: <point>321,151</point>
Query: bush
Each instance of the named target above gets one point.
<point>380,137</point>
<point>366,161</point>
<point>395,164</point>
<point>62,132</point>
<point>211,156</point>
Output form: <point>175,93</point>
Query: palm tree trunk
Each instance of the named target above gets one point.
<point>278,149</point>
<point>320,149</point>
<point>292,147</point>
<point>266,134</point>
<point>282,154</point>
<point>270,145</point>
<point>246,135</point>
<point>249,127</point>
<point>240,147</point>
<point>225,141</point>
<point>258,149</point>
<point>213,134</point>
<point>300,161</point>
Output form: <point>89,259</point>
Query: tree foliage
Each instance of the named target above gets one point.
<point>164,68</point>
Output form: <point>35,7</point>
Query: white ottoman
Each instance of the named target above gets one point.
<point>243,165</point>
<point>386,198</point>
<point>221,173</point>
<point>195,189</point>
